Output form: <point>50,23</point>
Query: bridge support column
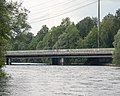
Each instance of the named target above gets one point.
<point>62,61</point>
<point>8,61</point>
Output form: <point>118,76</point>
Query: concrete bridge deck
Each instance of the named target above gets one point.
<point>102,52</point>
<point>61,53</point>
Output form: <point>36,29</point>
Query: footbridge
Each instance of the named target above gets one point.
<point>61,53</point>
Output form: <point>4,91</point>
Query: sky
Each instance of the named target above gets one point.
<point>51,12</point>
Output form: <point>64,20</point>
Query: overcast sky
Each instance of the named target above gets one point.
<point>51,12</point>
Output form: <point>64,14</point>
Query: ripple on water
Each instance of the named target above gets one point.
<point>62,81</point>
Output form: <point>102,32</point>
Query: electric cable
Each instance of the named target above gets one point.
<point>69,7</point>
<point>64,13</point>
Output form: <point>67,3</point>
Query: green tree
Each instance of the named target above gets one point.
<point>52,35</point>
<point>46,43</point>
<point>20,42</point>
<point>69,38</point>
<point>12,21</point>
<point>18,22</point>
<point>59,30</point>
<point>116,43</point>
<point>65,23</point>
<point>4,28</point>
<point>108,31</point>
<point>43,31</point>
<point>117,16</point>
<point>19,26</point>
<point>33,44</point>
<point>91,40</point>
<point>37,40</point>
<point>80,43</point>
<point>85,25</point>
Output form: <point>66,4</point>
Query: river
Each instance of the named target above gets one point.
<point>31,80</point>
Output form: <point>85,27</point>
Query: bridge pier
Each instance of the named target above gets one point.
<point>8,61</point>
<point>62,61</point>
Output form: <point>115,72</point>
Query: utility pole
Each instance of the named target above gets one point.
<point>98,23</point>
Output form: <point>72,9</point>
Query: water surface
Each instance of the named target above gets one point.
<point>61,81</point>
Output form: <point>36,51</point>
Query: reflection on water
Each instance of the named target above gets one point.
<point>61,81</point>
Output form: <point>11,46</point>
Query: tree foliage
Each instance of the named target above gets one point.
<point>116,43</point>
<point>4,28</point>
<point>68,40</point>
<point>12,22</point>
<point>92,39</point>
<point>85,25</point>
<point>117,16</point>
<point>108,30</point>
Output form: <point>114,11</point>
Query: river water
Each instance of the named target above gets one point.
<point>24,80</point>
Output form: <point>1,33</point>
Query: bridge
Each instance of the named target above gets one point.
<point>60,53</point>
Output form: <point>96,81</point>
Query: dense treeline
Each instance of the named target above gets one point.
<point>68,35</point>
<point>12,23</point>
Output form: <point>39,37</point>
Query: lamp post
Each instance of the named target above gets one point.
<point>98,23</point>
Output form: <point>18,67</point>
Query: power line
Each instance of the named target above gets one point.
<point>52,7</point>
<point>64,12</point>
<point>43,3</point>
<point>69,7</point>
<point>60,10</point>
<point>55,5</point>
